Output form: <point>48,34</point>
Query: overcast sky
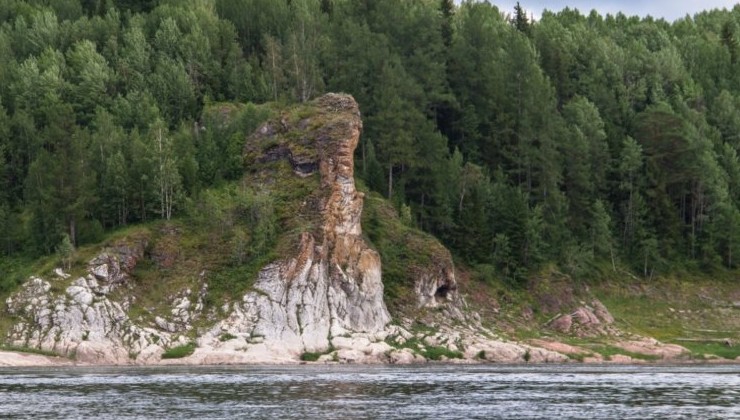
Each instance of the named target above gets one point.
<point>668,9</point>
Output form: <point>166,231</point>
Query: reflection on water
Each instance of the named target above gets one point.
<point>373,392</point>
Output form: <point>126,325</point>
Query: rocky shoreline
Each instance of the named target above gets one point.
<point>322,301</point>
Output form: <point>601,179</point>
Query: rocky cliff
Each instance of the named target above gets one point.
<point>331,286</point>
<point>148,297</point>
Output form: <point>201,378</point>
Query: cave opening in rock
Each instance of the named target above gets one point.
<point>441,293</point>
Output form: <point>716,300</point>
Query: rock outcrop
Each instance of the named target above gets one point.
<point>331,287</point>
<point>81,320</point>
<point>321,299</point>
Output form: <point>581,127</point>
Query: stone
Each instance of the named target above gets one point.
<point>585,316</point>
<point>332,284</point>
<point>601,312</point>
<point>351,356</point>
<point>402,357</point>
<point>80,295</point>
<point>562,324</point>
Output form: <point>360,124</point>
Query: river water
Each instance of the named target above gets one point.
<point>373,392</point>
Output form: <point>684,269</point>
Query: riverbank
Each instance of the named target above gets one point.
<point>570,355</point>
<point>20,359</point>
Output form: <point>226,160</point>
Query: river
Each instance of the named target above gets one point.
<point>373,392</point>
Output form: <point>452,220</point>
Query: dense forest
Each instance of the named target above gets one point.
<point>577,140</point>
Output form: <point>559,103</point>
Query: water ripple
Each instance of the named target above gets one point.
<point>373,392</point>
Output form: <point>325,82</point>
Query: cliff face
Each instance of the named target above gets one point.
<point>81,319</point>
<point>331,287</point>
<point>325,292</point>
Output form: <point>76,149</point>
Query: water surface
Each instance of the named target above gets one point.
<point>373,392</point>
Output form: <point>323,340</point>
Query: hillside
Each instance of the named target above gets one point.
<point>292,263</point>
<point>272,268</point>
<point>575,169</point>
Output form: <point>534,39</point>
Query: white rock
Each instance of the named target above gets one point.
<point>402,357</point>
<point>80,295</point>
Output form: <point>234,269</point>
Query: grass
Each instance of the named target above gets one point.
<point>404,250</point>
<point>439,353</point>
<point>699,350</point>
<point>675,308</point>
<point>310,356</point>
<point>23,349</point>
<point>226,337</point>
<point>179,352</point>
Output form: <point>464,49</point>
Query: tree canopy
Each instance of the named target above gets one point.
<point>572,140</point>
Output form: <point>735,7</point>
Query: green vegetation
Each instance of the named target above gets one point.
<point>179,352</point>
<point>702,350</point>
<point>226,337</point>
<point>438,353</point>
<point>583,143</point>
<point>32,350</point>
<point>310,356</point>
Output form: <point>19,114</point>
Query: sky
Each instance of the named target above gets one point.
<point>668,9</point>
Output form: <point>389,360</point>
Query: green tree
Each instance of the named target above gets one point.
<point>167,177</point>
<point>66,251</point>
<point>520,20</point>
<point>91,76</point>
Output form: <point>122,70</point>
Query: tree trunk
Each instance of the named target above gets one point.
<point>72,231</point>
<point>390,181</point>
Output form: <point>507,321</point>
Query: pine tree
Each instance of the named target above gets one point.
<point>520,20</point>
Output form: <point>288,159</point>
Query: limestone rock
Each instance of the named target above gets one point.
<point>114,266</point>
<point>402,357</point>
<point>331,285</point>
<point>601,312</point>
<point>562,324</point>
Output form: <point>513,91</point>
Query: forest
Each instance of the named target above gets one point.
<point>578,140</point>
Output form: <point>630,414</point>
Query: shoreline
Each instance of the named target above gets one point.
<point>15,359</point>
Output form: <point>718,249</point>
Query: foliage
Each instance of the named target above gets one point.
<point>573,140</point>
<point>310,356</point>
<point>180,351</point>
<point>66,251</point>
<point>699,350</point>
<point>437,353</point>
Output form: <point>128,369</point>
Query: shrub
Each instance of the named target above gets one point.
<point>179,351</point>
<point>310,356</point>
<point>436,353</point>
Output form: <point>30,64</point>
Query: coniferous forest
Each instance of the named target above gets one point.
<point>578,140</point>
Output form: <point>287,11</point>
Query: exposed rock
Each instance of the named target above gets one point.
<point>436,284</point>
<point>601,312</point>
<point>585,321</point>
<point>94,329</point>
<point>653,347</point>
<point>114,266</point>
<point>622,359</point>
<point>562,324</point>
<point>585,317</point>
<point>332,285</point>
<point>405,357</point>
<point>559,347</point>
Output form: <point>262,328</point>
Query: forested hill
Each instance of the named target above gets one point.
<point>579,140</point>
